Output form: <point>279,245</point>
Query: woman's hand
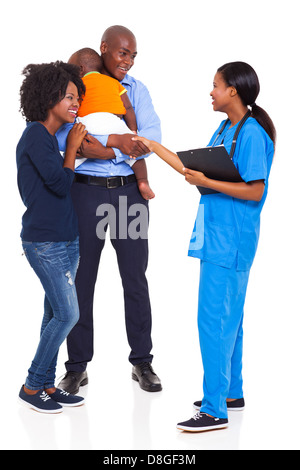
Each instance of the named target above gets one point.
<point>251,191</point>
<point>195,177</point>
<point>165,154</point>
<point>74,140</point>
<point>76,136</point>
<point>146,142</point>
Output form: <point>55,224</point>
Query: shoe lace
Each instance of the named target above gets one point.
<point>197,416</point>
<point>144,366</point>
<point>44,396</point>
<point>63,392</point>
<point>200,415</point>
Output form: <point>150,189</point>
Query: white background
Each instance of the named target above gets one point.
<point>180,46</point>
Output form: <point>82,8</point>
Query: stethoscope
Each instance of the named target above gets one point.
<point>233,145</point>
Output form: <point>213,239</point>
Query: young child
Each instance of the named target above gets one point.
<point>104,106</point>
<point>231,232</point>
<point>50,96</point>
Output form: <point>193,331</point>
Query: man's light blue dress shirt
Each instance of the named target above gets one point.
<point>148,124</point>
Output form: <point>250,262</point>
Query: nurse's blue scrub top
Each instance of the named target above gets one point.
<point>227,229</point>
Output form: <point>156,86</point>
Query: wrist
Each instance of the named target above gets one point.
<point>113,141</point>
<point>71,153</point>
<point>153,146</point>
<point>205,182</point>
<point>71,148</point>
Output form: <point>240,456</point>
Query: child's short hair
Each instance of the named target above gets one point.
<point>89,58</point>
<point>44,86</point>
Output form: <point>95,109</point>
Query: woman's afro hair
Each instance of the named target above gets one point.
<point>44,86</point>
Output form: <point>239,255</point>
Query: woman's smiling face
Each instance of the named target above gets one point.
<point>221,93</point>
<point>66,110</point>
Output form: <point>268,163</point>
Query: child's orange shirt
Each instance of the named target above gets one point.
<point>103,94</point>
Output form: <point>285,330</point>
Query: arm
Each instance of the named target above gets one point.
<point>251,191</point>
<point>74,141</point>
<point>90,146</point>
<point>93,148</point>
<point>48,162</point>
<point>129,117</point>
<point>148,124</point>
<point>122,146</point>
<point>169,157</point>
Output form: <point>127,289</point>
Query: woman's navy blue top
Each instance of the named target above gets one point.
<point>44,187</point>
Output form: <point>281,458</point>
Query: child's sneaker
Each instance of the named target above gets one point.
<point>40,401</point>
<point>202,422</point>
<point>66,399</point>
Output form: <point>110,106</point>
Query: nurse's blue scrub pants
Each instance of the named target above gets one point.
<point>222,295</point>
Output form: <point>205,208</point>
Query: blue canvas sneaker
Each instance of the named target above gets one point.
<point>202,422</point>
<point>40,401</point>
<point>64,398</point>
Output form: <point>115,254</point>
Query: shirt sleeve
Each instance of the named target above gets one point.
<point>122,89</point>
<point>148,122</point>
<point>48,162</point>
<point>252,155</point>
<point>62,135</point>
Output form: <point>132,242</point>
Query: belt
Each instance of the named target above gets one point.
<point>109,183</point>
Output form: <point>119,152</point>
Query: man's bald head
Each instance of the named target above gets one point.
<point>113,32</point>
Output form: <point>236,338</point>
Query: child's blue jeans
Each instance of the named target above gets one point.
<point>55,264</point>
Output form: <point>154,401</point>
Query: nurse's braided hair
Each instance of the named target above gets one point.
<point>245,80</point>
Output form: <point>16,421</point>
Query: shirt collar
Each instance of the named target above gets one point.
<point>89,73</point>
<point>127,80</point>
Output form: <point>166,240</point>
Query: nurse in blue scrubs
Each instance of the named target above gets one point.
<point>225,239</point>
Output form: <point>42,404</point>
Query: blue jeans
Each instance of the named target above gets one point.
<point>55,264</point>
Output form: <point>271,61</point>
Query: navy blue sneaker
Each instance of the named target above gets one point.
<point>66,399</point>
<point>40,401</point>
<point>235,405</point>
<point>202,422</point>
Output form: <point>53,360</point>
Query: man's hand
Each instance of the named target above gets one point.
<point>92,148</point>
<point>127,146</point>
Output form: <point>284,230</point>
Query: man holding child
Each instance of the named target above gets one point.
<point>105,178</point>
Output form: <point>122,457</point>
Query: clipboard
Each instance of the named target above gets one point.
<point>214,162</point>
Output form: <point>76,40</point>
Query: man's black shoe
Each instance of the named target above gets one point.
<point>72,381</point>
<point>146,377</point>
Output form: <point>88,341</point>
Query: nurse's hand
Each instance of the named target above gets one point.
<point>251,191</point>
<point>195,177</point>
<point>146,142</point>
